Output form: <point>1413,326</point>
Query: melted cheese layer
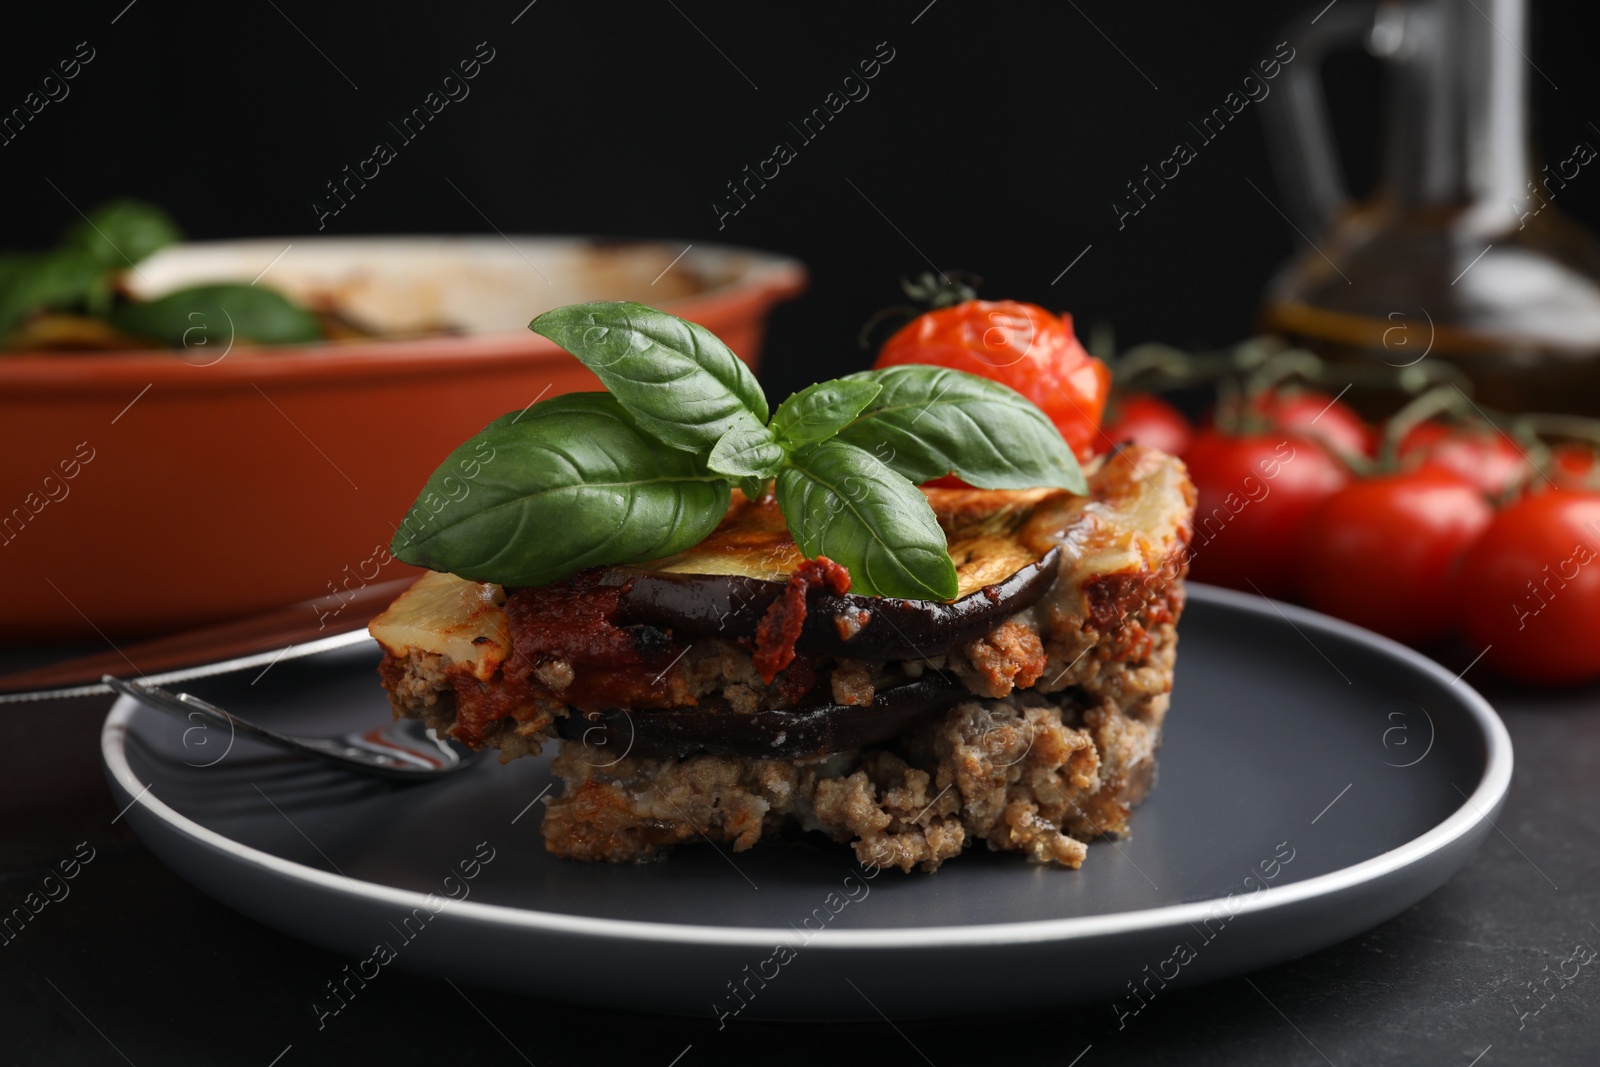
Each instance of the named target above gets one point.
<point>448,616</point>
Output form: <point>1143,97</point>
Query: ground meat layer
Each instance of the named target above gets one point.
<point>1056,752</point>
<point>1020,774</point>
<point>1055,749</point>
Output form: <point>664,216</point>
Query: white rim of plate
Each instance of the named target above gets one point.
<point>1490,791</point>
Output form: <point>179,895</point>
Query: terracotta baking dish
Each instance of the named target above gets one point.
<point>149,491</point>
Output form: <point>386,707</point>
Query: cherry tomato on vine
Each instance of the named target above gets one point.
<point>1319,416</point>
<point>1530,589</point>
<point>1255,494</point>
<point>1019,345</point>
<point>1146,419</point>
<point>1384,552</point>
<point>1572,465</point>
<point>1488,458</point>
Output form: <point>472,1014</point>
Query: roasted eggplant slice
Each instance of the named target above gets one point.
<point>792,733</point>
<point>693,606</point>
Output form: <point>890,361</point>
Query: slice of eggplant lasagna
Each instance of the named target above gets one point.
<point>738,690</point>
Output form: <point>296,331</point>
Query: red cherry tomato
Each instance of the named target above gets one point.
<point>1255,493</point>
<point>1321,417</point>
<point>1530,588</point>
<point>1020,345</point>
<point>1384,552</point>
<point>1488,458</point>
<point>1148,420</point>
<point>1572,465</point>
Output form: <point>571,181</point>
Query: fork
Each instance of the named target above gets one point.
<point>405,749</point>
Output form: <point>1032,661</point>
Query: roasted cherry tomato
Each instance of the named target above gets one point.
<point>1530,588</point>
<point>1319,416</point>
<point>1488,458</point>
<point>1020,345</point>
<point>1146,419</point>
<point>1255,493</point>
<point>1384,552</point>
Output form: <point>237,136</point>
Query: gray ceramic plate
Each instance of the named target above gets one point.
<point>1315,780</point>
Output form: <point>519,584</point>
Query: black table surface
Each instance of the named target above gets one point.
<point>133,966</point>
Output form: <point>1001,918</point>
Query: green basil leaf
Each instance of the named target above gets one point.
<point>49,281</point>
<point>570,483</point>
<point>819,411</point>
<point>681,383</point>
<point>216,314</point>
<point>14,270</point>
<point>122,232</point>
<point>931,421</point>
<point>76,275</point>
<point>753,488</point>
<point>747,451</point>
<point>842,502</point>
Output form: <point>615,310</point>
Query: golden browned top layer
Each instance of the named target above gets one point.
<point>1139,506</point>
<point>1138,517</point>
<point>980,525</point>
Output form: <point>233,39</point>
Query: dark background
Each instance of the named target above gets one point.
<point>994,141</point>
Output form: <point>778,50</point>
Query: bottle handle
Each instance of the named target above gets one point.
<point>1299,136</point>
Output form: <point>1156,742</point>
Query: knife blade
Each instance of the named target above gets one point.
<point>302,629</point>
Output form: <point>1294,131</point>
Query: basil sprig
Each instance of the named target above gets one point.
<point>646,470</point>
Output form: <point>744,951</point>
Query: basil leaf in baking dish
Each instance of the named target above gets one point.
<point>217,314</point>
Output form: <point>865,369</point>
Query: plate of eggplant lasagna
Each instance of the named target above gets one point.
<point>813,710</point>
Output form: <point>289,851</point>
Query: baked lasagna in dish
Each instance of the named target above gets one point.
<point>738,691</point>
